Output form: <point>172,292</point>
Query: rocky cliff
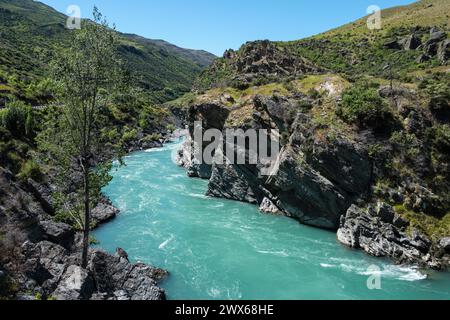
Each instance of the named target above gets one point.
<point>366,156</point>
<point>40,258</point>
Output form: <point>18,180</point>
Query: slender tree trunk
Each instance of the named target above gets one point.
<point>87,215</point>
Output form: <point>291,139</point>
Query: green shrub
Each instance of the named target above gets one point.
<point>31,170</point>
<point>171,128</point>
<point>363,106</point>
<point>129,135</point>
<point>18,118</point>
<point>154,137</point>
<point>305,105</point>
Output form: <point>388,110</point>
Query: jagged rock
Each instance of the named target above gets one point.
<point>76,284</point>
<point>360,230</point>
<point>423,58</point>
<point>264,58</point>
<point>57,232</point>
<point>392,44</point>
<point>443,51</point>
<point>138,282</point>
<point>267,206</point>
<point>343,163</point>
<point>400,223</point>
<point>211,116</point>
<point>305,194</point>
<point>120,253</point>
<point>431,46</point>
<point>385,212</point>
<point>235,182</point>
<point>420,241</point>
<point>412,42</point>
<point>437,36</point>
<point>445,244</point>
<point>103,212</point>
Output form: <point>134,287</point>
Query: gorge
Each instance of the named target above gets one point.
<point>222,249</point>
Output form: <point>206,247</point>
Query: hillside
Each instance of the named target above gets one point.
<point>352,49</point>
<point>29,31</point>
<point>364,123</point>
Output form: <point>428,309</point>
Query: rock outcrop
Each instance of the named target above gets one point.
<point>436,45</point>
<point>314,182</point>
<point>40,258</point>
<point>373,231</point>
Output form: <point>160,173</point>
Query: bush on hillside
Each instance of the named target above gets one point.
<point>31,170</point>
<point>363,106</point>
<point>18,119</point>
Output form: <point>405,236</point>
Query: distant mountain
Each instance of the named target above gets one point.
<point>30,30</point>
<point>201,57</point>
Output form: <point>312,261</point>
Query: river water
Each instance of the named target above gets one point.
<point>220,249</point>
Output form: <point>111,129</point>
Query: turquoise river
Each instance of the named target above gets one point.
<point>220,249</point>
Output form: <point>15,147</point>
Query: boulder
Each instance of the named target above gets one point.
<point>136,282</point>
<point>423,58</point>
<point>103,212</point>
<point>385,212</point>
<point>361,230</point>
<point>445,244</point>
<point>431,46</point>
<point>267,206</point>
<point>443,51</point>
<point>76,284</point>
<point>411,42</point>
<point>437,36</point>
<point>56,232</point>
<point>392,44</point>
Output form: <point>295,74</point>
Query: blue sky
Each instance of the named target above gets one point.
<point>216,25</point>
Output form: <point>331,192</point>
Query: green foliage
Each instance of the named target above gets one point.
<point>129,135</point>
<point>363,106</point>
<point>18,118</point>
<point>154,137</point>
<point>435,228</point>
<point>31,170</point>
<point>406,143</point>
<point>171,128</point>
<point>30,32</point>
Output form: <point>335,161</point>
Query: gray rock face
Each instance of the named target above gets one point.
<point>56,232</point>
<point>443,51</point>
<point>412,42</point>
<point>76,284</point>
<point>392,44</point>
<point>135,282</point>
<point>103,212</point>
<point>315,182</point>
<point>385,212</point>
<point>364,229</point>
<point>267,206</point>
<point>445,244</point>
<point>305,194</point>
<point>212,116</point>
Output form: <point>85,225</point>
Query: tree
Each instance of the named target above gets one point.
<point>87,75</point>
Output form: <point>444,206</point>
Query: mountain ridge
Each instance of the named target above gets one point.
<point>30,30</point>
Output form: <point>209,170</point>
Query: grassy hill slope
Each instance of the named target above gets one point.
<point>29,31</point>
